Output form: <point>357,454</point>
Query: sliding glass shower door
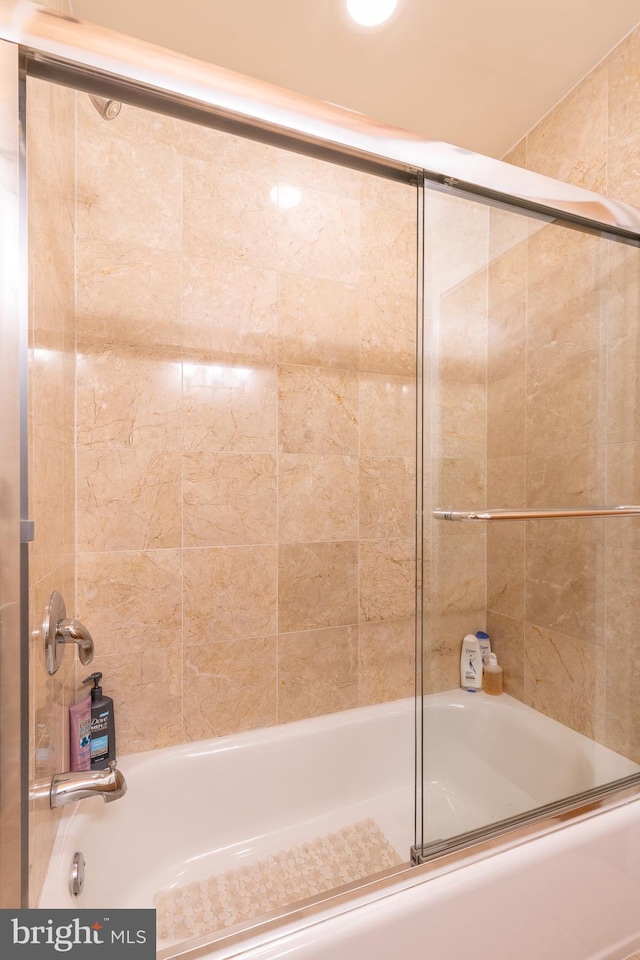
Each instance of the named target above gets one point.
<point>531,392</point>
<point>223,353</point>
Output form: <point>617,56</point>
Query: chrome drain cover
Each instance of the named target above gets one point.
<point>76,878</point>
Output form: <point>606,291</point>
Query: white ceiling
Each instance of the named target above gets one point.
<point>475,73</point>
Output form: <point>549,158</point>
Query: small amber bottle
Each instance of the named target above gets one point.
<point>492,676</point>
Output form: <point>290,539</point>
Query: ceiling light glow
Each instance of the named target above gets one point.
<point>285,196</point>
<point>371,13</point>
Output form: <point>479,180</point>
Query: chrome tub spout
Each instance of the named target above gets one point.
<point>66,788</point>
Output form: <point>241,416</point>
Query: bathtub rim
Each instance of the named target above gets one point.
<point>461,851</point>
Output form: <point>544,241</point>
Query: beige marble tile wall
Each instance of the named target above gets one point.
<point>456,291</point>
<point>246,421</point>
<point>563,597</point>
<point>51,166</point>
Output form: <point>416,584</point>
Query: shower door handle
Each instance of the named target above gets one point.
<point>537,513</point>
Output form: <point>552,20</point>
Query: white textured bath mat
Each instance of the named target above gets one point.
<point>239,895</point>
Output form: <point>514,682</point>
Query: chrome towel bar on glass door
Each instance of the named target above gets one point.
<point>537,513</point>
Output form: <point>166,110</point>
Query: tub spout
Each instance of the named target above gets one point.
<point>69,787</point>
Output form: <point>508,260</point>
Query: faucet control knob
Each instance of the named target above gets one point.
<point>58,629</point>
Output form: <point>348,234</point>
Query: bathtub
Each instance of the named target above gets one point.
<point>200,810</point>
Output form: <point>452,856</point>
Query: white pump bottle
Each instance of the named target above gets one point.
<point>471,664</point>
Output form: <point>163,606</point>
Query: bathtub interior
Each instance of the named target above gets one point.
<point>205,812</point>
<point>496,761</point>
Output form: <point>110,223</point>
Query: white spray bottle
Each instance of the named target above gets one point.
<point>471,664</point>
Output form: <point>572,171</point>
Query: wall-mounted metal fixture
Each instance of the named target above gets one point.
<point>76,879</point>
<point>538,513</point>
<point>64,788</point>
<point>58,630</point>
<point>108,109</point>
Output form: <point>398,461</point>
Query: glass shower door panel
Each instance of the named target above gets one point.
<point>532,333</point>
<point>235,359</point>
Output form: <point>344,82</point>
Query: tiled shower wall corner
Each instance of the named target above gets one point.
<point>563,416</point>
<point>245,429</point>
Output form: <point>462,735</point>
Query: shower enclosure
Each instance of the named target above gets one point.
<point>305,400</point>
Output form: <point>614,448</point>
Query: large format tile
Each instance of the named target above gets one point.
<point>142,177</point>
<point>564,588</point>
<point>506,411</point>
<point>317,585</point>
<point>457,484</point>
<point>565,679</point>
<point>317,321</point>
<point>508,231</point>
<point>230,407</point>
<point>230,593</point>
<point>386,660</point>
<point>131,601</point>
<point>506,482</point>
<point>318,410</point>
<point>459,420</point>
<point>128,293</point>
<point>47,482</point>
<point>387,497</point>
<point>622,577</point>
<point>227,217</point>
<point>229,687</point>
<point>563,297</point>
<point>229,498</point>
<point>229,309</point>
<point>387,332</point>
<point>623,388</point>
<point>128,397</point>
<point>507,296</point>
<point>50,376</point>
<point>458,574</point>
<point>128,499</point>
<point>388,239</point>
<point>463,331</point>
<point>317,498</point>
<point>563,413</point>
<point>320,237</point>
<point>387,579</point>
<point>387,416</point>
<point>574,478</point>
<point>317,672</point>
<point>505,569</point>
<point>456,242</point>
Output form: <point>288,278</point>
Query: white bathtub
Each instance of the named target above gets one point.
<point>199,810</point>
